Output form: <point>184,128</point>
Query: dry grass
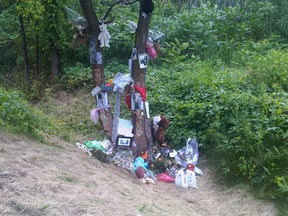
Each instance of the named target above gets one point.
<point>37,179</point>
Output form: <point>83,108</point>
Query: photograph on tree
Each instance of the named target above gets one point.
<point>143,60</point>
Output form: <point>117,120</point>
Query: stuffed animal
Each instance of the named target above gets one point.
<point>104,36</point>
<point>159,125</point>
<point>140,166</point>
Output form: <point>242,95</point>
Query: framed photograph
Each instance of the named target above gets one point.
<point>124,141</point>
<point>143,60</point>
<point>136,102</point>
<point>102,100</point>
<point>99,57</point>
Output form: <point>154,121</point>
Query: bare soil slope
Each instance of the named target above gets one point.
<point>37,179</point>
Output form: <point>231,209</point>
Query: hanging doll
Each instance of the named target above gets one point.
<point>104,36</point>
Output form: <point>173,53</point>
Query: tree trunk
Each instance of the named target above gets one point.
<point>96,60</point>
<point>24,46</point>
<point>94,46</point>
<point>54,62</point>
<point>141,124</point>
<point>37,53</point>
<point>138,74</point>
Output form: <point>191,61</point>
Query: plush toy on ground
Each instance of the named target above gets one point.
<point>104,36</point>
<point>140,166</point>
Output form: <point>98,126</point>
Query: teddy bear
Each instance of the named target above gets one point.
<point>160,123</point>
<point>104,36</point>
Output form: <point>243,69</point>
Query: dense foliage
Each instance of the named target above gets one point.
<point>239,113</point>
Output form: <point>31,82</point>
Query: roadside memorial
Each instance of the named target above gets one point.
<point>159,162</point>
<point>137,144</point>
<point>161,165</point>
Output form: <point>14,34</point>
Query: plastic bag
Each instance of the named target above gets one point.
<point>124,159</point>
<point>94,115</point>
<point>188,154</point>
<point>75,18</point>
<point>94,145</point>
<point>164,177</point>
<point>120,81</point>
<point>181,179</point>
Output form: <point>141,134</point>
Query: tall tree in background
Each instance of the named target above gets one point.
<point>43,28</point>
<point>53,24</point>
<point>23,12</point>
<point>24,47</point>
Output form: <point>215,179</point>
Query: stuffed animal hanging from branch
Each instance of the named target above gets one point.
<point>104,36</point>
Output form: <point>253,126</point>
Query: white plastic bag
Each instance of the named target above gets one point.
<point>180,179</point>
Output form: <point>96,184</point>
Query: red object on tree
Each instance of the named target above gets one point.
<point>141,90</point>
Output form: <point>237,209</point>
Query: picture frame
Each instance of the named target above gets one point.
<point>99,57</point>
<point>136,102</point>
<point>124,141</point>
<point>102,100</point>
<point>143,60</point>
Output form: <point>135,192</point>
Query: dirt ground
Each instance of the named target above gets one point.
<point>38,179</point>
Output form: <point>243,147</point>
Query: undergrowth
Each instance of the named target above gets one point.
<point>73,108</point>
<point>238,114</point>
<point>19,116</point>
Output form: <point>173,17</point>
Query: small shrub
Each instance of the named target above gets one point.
<point>271,69</point>
<point>75,77</point>
<point>17,116</point>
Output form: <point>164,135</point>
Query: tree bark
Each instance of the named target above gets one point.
<point>138,74</point>
<point>93,22</point>
<point>24,47</point>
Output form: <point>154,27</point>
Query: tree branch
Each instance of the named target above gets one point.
<point>124,2</point>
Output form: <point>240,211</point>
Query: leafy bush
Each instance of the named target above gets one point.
<point>16,115</point>
<point>213,32</point>
<point>271,69</point>
<point>240,113</point>
<point>75,76</point>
